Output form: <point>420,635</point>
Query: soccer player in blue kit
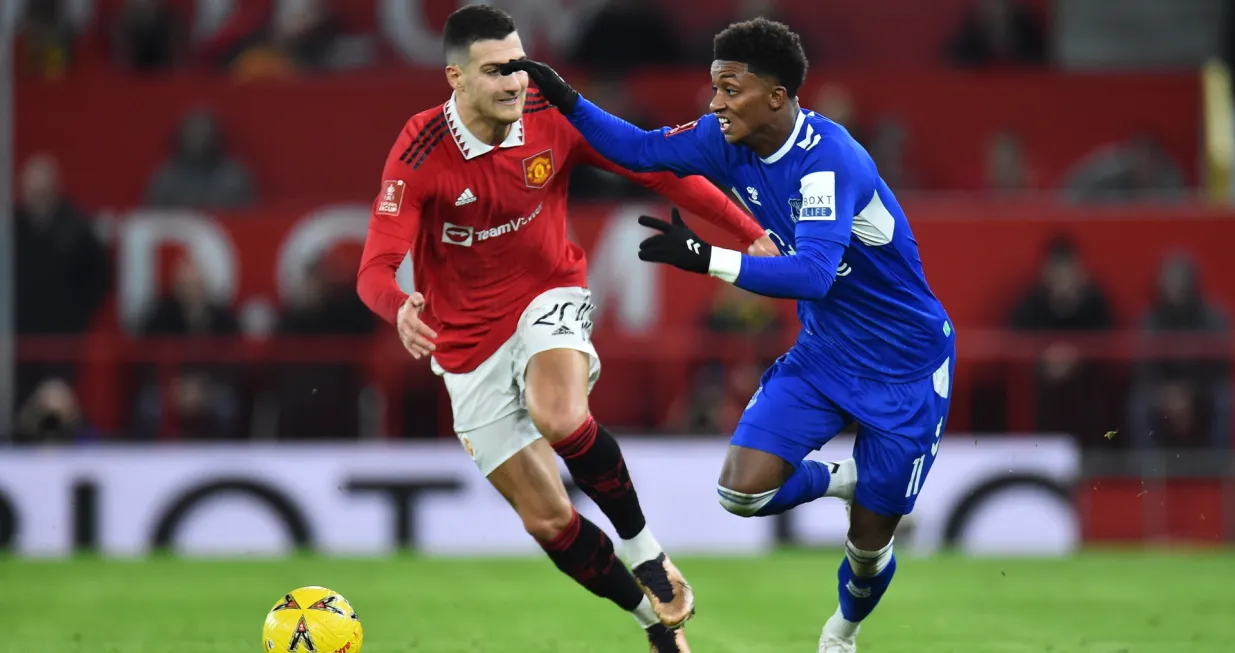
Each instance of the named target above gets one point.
<point>876,347</point>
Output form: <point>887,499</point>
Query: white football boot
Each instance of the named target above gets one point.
<point>839,635</point>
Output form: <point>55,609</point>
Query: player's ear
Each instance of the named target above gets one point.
<point>778,98</point>
<point>454,76</point>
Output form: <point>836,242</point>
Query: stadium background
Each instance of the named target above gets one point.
<point>190,367</point>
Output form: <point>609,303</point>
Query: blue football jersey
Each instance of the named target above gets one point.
<point>875,316</point>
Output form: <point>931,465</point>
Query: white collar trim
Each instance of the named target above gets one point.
<point>784,149</point>
<point>470,146</point>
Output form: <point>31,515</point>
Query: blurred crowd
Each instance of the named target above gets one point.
<point>268,40</point>
<point>1158,400</point>
<point>285,38</point>
<point>64,275</point>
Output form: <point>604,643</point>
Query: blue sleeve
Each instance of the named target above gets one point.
<point>695,148</point>
<point>807,275</point>
<point>834,181</point>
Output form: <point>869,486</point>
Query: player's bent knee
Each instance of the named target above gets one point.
<point>866,563</point>
<point>546,525</point>
<point>556,392</point>
<point>871,531</point>
<point>871,540</point>
<point>751,471</point>
<point>557,412</point>
<point>743,504</point>
<point>559,420</point>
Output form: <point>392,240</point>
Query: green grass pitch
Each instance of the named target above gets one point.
<point>1179,602</point>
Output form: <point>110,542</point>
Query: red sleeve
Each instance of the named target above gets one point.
<point>695,194</point>
<point>393,224</point>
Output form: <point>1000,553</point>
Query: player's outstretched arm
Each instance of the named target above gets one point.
<point>695,194</point>
<point>808,275</point>
<point>832,182</point>
<point>623,143</point>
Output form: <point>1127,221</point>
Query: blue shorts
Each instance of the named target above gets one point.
<point>801,405</point>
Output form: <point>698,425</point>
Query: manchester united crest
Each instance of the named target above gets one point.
<point>538,169</point>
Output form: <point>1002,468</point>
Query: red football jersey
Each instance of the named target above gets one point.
<point>486,225</point>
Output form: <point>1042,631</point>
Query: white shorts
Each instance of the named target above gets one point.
<point>490,414</point>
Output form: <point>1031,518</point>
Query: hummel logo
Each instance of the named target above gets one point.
<point>692,245</point>
<point>810,140</point>
<point>466,197</point>
<point>563,331</point>
<point>858,592</point>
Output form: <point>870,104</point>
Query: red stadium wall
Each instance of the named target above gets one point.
<point>1197,511</point>
<point>325,140</point>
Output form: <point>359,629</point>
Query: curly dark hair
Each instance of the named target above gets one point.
<point>473,23</point>
<point>768,48</point>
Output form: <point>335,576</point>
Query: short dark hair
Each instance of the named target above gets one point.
<point>473,23</point>
<point>768,48</point>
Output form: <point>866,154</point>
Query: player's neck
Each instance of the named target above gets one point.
<point>769,141</point>
<point>483,129</point>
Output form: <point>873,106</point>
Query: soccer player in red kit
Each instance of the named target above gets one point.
<point>476,190</point>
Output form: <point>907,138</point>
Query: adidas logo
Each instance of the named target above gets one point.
<point>466,197</point>
<point>563,331</point>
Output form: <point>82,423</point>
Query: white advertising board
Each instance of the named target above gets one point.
<point>997,495</point>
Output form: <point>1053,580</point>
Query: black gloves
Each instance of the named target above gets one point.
<point>551,85</point>
<point>678,245</point>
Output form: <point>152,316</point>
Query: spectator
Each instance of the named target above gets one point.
<point>1007,170</point>
<point>200,174</point>
<point>147,36</point>
<point>327,303</point>
<point>591,183</point>
<point>1136,170</point>
<point>189,309</point>
<point>715,398</point>
<point>1178,400</point>
<point>837,104</point>
<point>888,146</point>
<point>1064,303</point>
<point>52,416</point>
<point>722,385</point>
<point>62,269</point>
<point>199,401</point>
<point>1064,298</point>
<point>998,32</point>
<point>749,10</point>
<point>195,405</point>
<point>322,400</point>
<point>302,37</point>
<point>738,312</point>
<point>607,42</point>
<point>44,44</point>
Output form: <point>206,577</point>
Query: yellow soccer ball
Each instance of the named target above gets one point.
<point>312,620</point>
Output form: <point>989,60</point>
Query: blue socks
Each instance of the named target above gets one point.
<point>860,591</point>
<point>809,481</point>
